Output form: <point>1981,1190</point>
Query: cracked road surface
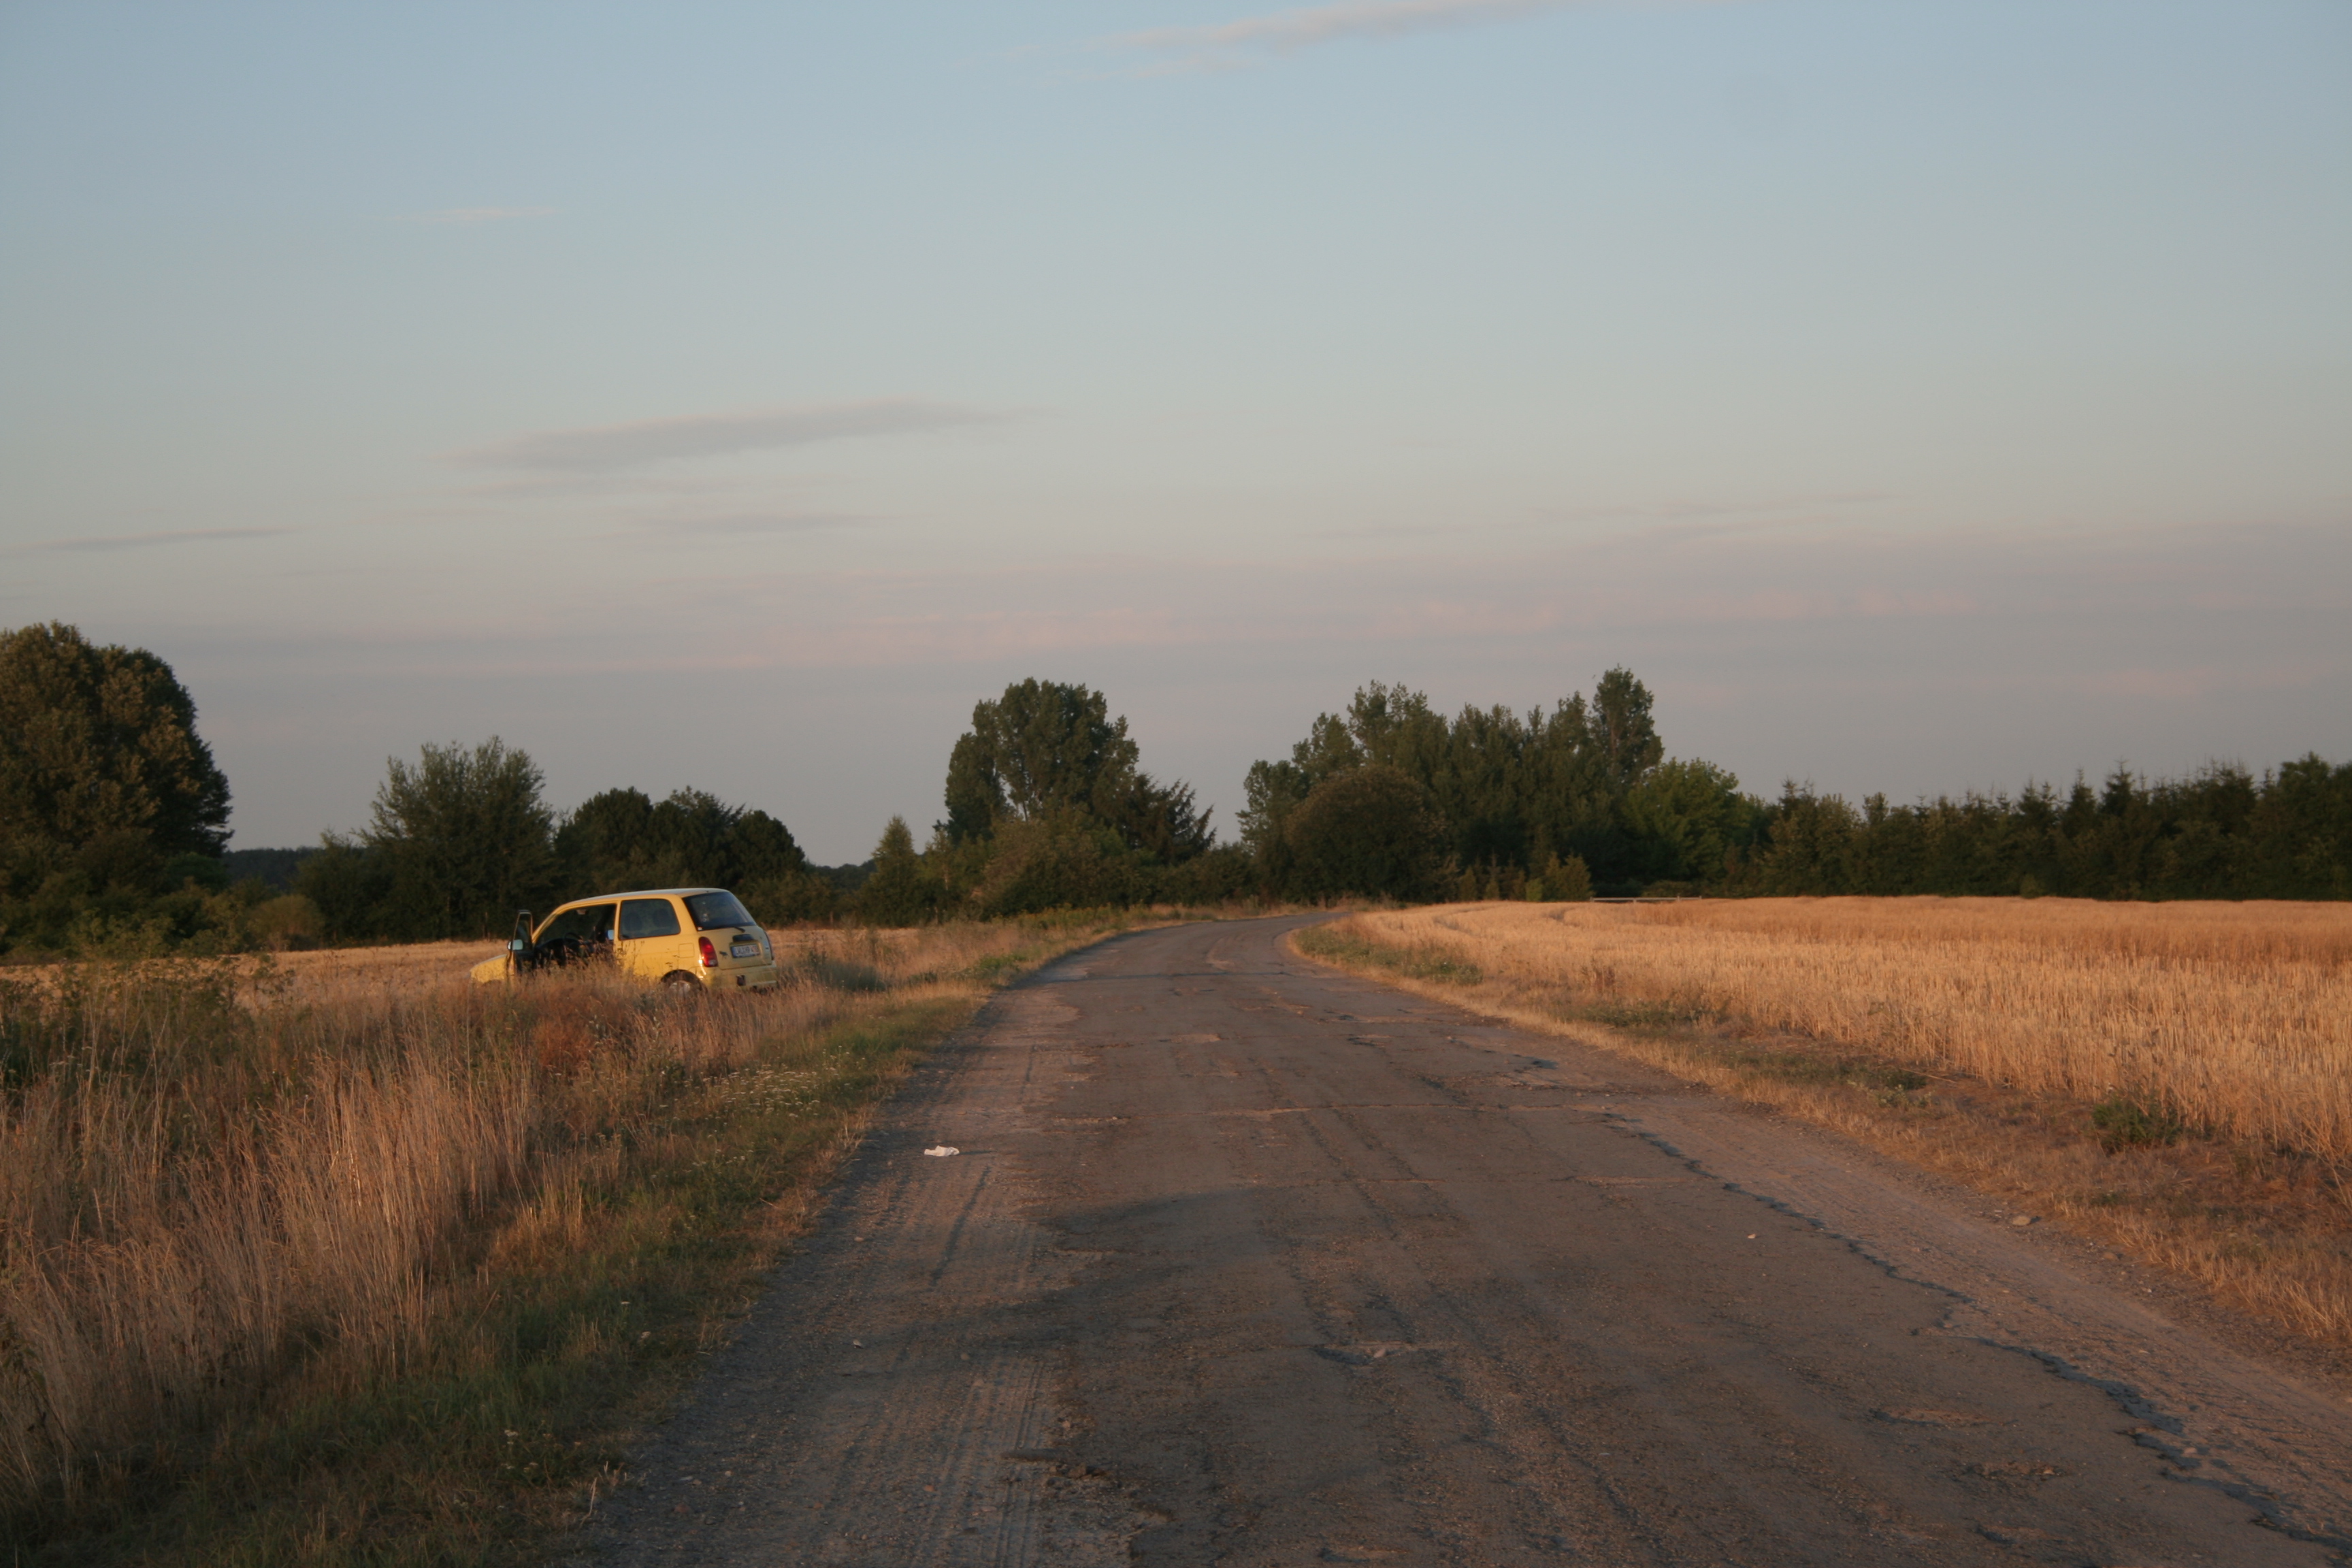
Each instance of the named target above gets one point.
<point>1245,1261</point>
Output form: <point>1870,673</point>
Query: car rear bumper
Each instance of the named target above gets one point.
<point>744,977</point>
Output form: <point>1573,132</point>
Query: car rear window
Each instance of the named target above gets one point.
<point>647,916</point>
<point>711,910</point>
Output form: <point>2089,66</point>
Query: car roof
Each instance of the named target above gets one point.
<point>634,893</point>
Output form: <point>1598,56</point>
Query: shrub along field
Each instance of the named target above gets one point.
<point>2175,1079</point>
<point>337,1262</point>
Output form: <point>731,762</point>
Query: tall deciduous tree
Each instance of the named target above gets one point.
<point>1052,750</point>
<point>1044,744</point>
<point>465,838</point>
<point>1621,724</point>
<point>99,752</point>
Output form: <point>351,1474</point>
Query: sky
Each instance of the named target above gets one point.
<point>1918,396</point>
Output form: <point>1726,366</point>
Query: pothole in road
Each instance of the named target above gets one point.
<point>2017,1470</point>
<point>1471,1083</point>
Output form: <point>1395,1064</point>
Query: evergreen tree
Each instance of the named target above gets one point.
<point>901,890</point>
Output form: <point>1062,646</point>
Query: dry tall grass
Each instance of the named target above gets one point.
<point>213,1175</point>
<point>2175,1079</point>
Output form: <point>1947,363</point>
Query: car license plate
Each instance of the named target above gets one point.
<point>744,950</point>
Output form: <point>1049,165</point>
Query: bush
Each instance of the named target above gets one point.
<point>288,921</point>
<point>2125,1122</point>
<point>1059,861</point>
<point>1220,876</point>
<point>1369,830</point>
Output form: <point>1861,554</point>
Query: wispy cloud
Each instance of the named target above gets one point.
<point>1224,45</point>
<point>601,448</point>
<point>1657,521</point>
<point>90,543</point>
<point>543,484</point>
<point>476,214</point>
<point>807,522</point>
<point>741,525</point>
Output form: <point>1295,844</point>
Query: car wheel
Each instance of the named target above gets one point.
<point>678,980</point>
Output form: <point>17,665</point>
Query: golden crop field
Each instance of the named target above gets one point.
<point>342,969</point>
<point>2236,1018</point>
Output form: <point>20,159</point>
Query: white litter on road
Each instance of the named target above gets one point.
<point>942,1149</point>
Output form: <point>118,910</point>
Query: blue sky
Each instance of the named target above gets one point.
<point>1918,396</point>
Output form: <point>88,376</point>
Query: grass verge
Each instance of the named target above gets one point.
<point>2263,1229</point>
<point>473,1405</point>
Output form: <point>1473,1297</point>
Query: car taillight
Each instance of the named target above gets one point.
<point>710,954</point>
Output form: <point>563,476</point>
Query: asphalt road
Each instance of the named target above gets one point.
<point>1244,1261</point>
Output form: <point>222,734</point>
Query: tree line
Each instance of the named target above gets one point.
<point>460,840</point>
<point>114,824</point>
<point>1047,805</point>
<point>2224,833</point>
<point>1581,799</point>
<point>114,831</point>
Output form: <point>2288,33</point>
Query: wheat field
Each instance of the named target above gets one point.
<point>2237,1019</point>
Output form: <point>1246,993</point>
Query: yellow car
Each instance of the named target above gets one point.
<point>671,936</point>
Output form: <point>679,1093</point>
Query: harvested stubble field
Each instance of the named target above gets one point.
<point>341,1257</point>
<point>2173,1079</point>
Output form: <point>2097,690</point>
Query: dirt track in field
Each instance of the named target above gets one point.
<point>1244,1261</point>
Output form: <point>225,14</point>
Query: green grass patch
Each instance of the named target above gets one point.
<point>2124,1121</point>
<point>1642,1015</point>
